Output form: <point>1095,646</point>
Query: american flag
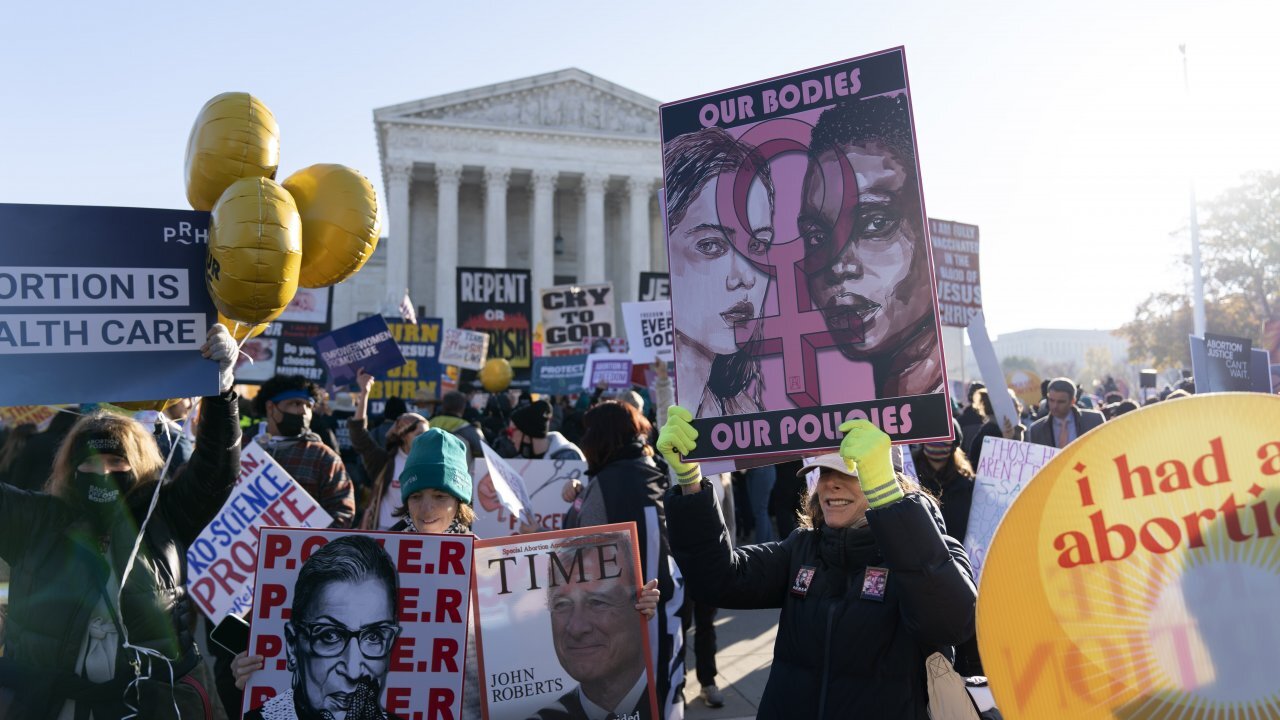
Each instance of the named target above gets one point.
<point>406,309</point>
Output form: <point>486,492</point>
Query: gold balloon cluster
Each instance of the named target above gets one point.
<point>315,229</point>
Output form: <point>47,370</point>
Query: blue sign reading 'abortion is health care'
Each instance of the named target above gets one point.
<point>103,304</point>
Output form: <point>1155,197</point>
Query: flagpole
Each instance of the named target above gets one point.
<point>1197,280</point>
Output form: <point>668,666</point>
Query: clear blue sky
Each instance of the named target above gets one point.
<point>1059,128</point>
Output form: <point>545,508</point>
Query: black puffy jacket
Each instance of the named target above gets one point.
<point>837,654</point>
<point>58,574</point>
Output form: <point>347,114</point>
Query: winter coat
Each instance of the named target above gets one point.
<point>59,575</point>
<point>377,462</point>
<point>840,652</point>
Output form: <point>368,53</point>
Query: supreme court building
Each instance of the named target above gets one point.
<point>556,173</point>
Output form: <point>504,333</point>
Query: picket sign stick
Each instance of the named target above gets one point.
<point>989,366</point>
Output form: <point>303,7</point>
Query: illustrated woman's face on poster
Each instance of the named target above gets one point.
<point>714,267</point>
<point>868,259</point>
<point>340,653</point>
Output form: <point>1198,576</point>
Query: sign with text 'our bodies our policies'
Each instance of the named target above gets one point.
<point>777,341</point>
<point>102,304</point>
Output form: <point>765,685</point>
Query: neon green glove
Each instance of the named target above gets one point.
<point>865,449</point>
<point>677,438</point>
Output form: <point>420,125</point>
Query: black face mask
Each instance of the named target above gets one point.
<point>102,495</point>
<point>292,425</point>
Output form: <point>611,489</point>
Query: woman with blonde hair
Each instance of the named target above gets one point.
<point>99,622</point>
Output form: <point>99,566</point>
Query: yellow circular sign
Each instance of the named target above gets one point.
<point>1138,574</point>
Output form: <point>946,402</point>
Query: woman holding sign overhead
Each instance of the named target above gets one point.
<point>867,592</point>
<point>99,619</point>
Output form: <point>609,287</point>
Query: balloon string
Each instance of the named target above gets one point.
<point>240,345</point>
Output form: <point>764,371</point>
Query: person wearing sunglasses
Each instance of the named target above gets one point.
<point>339,636</point>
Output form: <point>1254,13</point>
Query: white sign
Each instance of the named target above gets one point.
<point>992,375</point>
<point>541,482</point>
<point>649,331</point>
<point>574,313</point>
<point>1005,468</point>
<point>464,348</point>
<point>222,560</point>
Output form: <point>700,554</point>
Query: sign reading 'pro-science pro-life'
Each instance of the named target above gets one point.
<point>102,304</point>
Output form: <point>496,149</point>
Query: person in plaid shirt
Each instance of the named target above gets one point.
<point>286,402</point>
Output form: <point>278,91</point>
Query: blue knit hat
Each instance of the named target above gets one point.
<point>437,460</point>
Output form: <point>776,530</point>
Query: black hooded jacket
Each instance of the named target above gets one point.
<point>58,575</point>
<point>838,654</point>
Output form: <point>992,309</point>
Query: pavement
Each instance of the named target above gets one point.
<point>745,654</point>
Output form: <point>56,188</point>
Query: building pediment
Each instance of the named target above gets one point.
<point>567,101</point>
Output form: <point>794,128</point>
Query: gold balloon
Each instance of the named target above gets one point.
<point>235,136</point>
<point>255,250</point>
<point>140,405</point>
<point>339,209</point>
<point>243,331</point>
<point>496,374</point>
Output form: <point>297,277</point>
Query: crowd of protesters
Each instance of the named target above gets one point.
<point>73,496</point>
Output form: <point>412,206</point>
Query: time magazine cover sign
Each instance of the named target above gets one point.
<point>801,275</point>
<point>557,631</point>
<point>359,624</point>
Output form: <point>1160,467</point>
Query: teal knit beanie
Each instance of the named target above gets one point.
<point>437,460</point>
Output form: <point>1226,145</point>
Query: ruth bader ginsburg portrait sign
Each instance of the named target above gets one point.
<point>557,632</point>
<point>359,625</point>
<point>801,274</point>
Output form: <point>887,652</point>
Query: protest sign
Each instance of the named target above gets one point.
<point>419,376</point>
<point>528,589</point>
<point>604,344</point>
<point>992,376</point>
<point>1135,576</point>
<point>649,331</point>
<point>574,313</point>
<point>42,415</point>
<point>1221,363</point>
<point>365,344</point>
<point>285,346</point>
<point>542,482</point>
<point>559,375</point>
<point>1005,468</point>
<point>654,286</point>
<point>955,265</point>
<point>464,348</point>
<point>103,304</point>
<point>610,370</point>
<point>406,615</point>
<point>776,344</point>
<point>1026,385</point>
<point>222,560</point>
<point>500,303</point>
<point>506,483</point>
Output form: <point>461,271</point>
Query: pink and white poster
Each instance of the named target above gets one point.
<point>801,275</point>
<point>359,624</point>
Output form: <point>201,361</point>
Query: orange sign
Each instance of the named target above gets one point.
<point>1026,385</point>
<point>1137,574</point>
<point>38,415</point>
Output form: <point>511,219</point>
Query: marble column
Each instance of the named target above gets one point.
<point>495,216</point>
<point>447,179</point>
<point>638,258</point>
<point>399,178</point>
<point>591,261</point>
<point>542,251</point>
